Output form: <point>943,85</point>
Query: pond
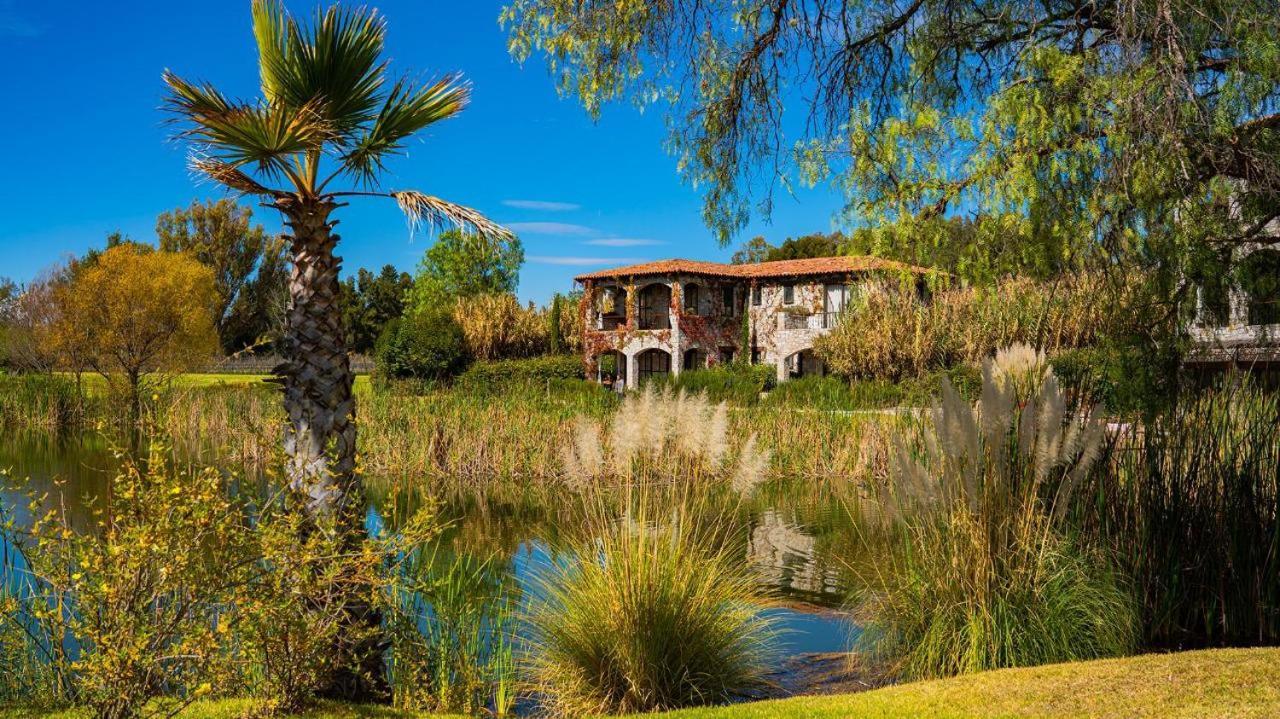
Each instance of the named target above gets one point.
<point>787,540</point>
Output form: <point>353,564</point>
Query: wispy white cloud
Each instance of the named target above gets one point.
<point>14,25</point>
<point>583,261</point>
<point>623,242</point>
<point>551,228</point>
<point>543,205</point>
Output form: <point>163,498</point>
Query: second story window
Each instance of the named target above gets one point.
<point>755,296</point>
<point>788,294</point>
<point>726,298</point>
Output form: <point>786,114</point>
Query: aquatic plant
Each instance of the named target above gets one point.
<point>978,567</point>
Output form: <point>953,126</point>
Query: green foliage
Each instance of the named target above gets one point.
<point>371,301</point>
<point>555,333</point>
<point>650,616</point>
<point>125,613</point>
<point>970,561</point>
<point>424,346</point>
<point>462,264</point>
<point>47,402</point>
<point>1127,380</point>
<point>842,395</point>
<point>1190,504</point>
<point>534,371</point>
<point>248,265</point>
<point>734,382</point>
<point>451,632</point>
<point>1087,137</point>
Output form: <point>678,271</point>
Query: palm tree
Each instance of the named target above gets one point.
<point>328,112</point>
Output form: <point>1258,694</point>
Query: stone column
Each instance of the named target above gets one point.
<point>675,348</point>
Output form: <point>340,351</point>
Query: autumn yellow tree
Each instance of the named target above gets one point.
<point>133,315</point>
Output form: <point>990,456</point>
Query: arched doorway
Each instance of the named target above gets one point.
<point>804,363</point>
<point>694,359</point>
<point>654,307</point>
<point>652,363</point>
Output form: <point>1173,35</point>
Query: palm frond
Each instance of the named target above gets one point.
<point>437,213</point>
<point>238,134</point>
<point>332,65</point>
<point>228,175</point>
<point>405,112</point>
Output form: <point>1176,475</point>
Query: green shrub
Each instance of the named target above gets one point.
<point>126,614</point>
<point>736,382</point>
<point>838,394</point>
<point>532,371</point>
<point>427,345</point>
<point>1126,380</point>
<point>648,617</point>
<point>973,564</point>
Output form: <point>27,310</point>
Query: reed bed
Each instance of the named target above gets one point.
<point>449,439</point>
<point>1192,502</point>
<point>891,334</point>
<point>39,401</point>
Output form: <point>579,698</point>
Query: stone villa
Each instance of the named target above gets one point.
<point>662,317</point>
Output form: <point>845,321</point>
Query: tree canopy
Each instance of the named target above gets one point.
<point>1123,128</point>
<point>462,264</point>
<point>370,301</point>
<point>132,313</point>
<point>222,236</point>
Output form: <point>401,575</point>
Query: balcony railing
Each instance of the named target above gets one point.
<point>815,321</point>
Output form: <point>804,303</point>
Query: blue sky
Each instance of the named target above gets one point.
<point>87,151</point>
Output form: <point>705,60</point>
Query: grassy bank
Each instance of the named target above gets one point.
<point>1217,683</point>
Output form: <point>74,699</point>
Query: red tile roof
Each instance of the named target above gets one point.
<point>756,270</point>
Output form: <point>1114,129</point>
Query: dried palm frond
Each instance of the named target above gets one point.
<point>228,175</point>
<point>436,213</point>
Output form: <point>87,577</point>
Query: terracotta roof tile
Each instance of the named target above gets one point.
<point>757,270</point>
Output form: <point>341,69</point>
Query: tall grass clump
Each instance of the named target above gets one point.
<point>39,401</point>
<point>1195,510</point>
<point>977,566</point>
<point>648,616</point>
<point>451,625</point>
<point>665,437</point>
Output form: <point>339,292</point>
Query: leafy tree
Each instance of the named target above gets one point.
<point>462,264</point>
<point>555,334</point>
<point>753,250</point>
<point>806,246</point>
<point>133,313</point>
<point>370,301</point>
<point>256,317</point>
<point>329,110</point>
<point>1135,130</point>
<point>221,235</point>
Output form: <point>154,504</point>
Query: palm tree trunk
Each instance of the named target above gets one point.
<point>320,438</point>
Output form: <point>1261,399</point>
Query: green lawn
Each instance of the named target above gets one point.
<point>95,384</point>
<point>1226,683</point>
